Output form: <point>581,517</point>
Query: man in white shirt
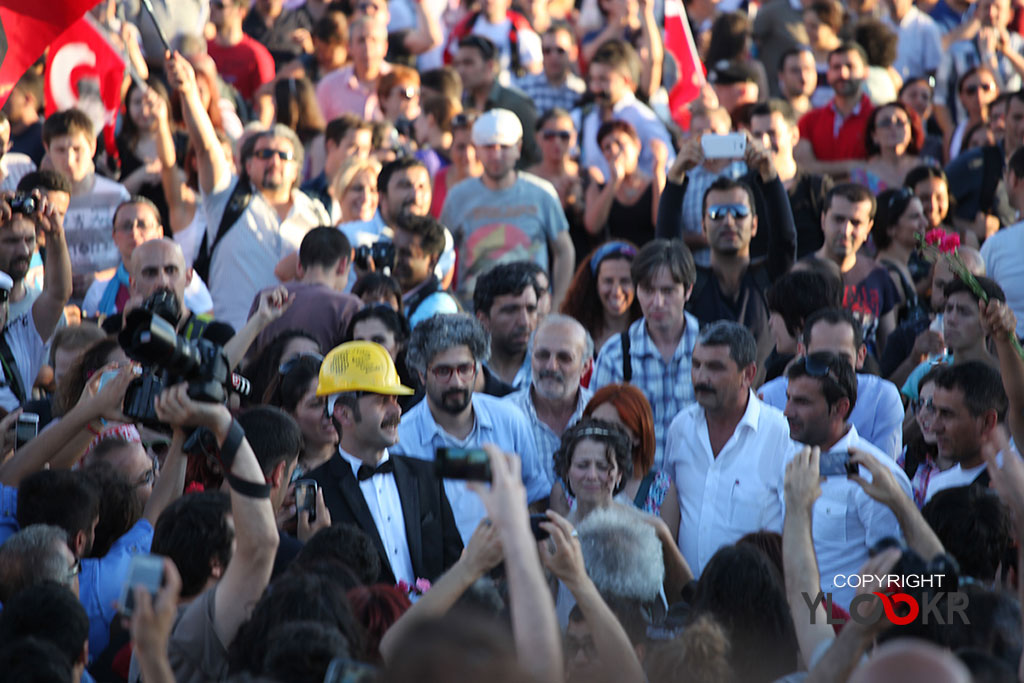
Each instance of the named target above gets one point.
<point>847,522</point>
<point>272,215</point>
<point>563,353</point>
<point>727,452</point>
<point>919,48</point>
<point>878,413</point>
<point>969,402</point>
<point>395,500</point>
<point>1002,250</point>
<point>447,351</point>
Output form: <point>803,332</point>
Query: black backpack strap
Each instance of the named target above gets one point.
<point>429,287</point>
<point>238,202</point>
<point>11,369</point>
<point>627,363</point>
<point>645,487</point>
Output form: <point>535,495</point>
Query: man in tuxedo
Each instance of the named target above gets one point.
<point>396,500</point>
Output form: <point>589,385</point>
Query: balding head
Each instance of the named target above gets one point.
<point>907,659</point>
<point>562,353</point>
<point>159,264</point>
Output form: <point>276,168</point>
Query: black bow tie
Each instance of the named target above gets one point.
<point>365,471</point>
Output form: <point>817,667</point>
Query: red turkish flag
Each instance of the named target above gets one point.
<point>26,28</point>
<point>84,71</point>
<point>679,42</point>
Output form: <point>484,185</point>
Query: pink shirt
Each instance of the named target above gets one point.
<point>340,92</point>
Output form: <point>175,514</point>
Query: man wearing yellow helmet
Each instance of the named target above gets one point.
<point>397,501</point>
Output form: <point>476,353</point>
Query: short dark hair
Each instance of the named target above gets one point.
<point>345,543</point>
<point>839,382</point>
<point>776,106</point>
<point>850,46</point>
<point>48,611</point>
<point>485,46</point>
<point>120,506</point>
<point>67,122</point>
<point>59,497</point>
<point>44,180</point>
<point>392,167</point>
<point>980,383</point>
<point>339,127</point>
<point>741,343</point>
<point>834,316</point>
<point>332,27</point>
<point>378,283</point>
<point>502,280</point>
<point>726,184</point>
<point>194,532</point>
<point>324,246</point>
<point>430,231</point>
<point>798,294</point>
<point>988,285</point>
<point>34,660</point>
<point>854,193</point>
<point>273,434</point>
<point>303,650</point>
<point>445,80</point>
<point>790,52</point>
<point>132,201</point>
<point>974,526</point>
<point>619,55</point>
<point>393,320</point>
<point>672,255</point>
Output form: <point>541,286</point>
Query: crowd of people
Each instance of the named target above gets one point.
<point>427,340</point>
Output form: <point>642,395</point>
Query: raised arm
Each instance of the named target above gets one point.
<point>652,51</point>
<point>171,482</point>
<point>779,218</point>
<point>427,35</point>
<point>999,323</point>
<point>48,308</point>
<point>534,623</point>
<point>214,171</point>
<point>273,303</point>
<point>181,200</point>
<point>563,556</point>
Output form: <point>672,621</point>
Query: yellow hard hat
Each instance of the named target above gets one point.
<point>360,366</point>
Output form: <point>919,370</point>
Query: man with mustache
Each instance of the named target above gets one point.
<point>396,500</point>
<point>726,452</point>
<point>563,354</point>
<point>447,351</point>
<point>832,136</point>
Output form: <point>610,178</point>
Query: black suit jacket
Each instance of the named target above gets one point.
<point>434,541</point>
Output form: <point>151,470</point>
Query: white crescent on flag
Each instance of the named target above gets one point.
<point>69,57</point>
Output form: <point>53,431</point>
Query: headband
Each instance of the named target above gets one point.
<point>608,250</point>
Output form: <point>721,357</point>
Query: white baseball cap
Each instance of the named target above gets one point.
<point>497,127</point>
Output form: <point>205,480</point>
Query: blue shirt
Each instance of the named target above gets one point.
<point>667,386</point>
<point>547,441</point>
<point>99,584</point>
<point>877,414</point>
<point>8,512</point>
<point>495,421</point>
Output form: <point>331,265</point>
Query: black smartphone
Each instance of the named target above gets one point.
<point>146,569</point>
<point>472,464</point>
<point>305,497</point>
<point>26,429</point>
<point>538,533</point>
<point>836,464</point>
<point>342,670</point>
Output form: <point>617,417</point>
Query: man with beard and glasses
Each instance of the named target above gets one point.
<point>446,351</point>
<point>726,452</point>
<point>253,220</point>
<point>832,136</point>
<point>563,354</point>
<point>396,500</point>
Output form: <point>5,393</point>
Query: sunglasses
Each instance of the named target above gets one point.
<point>408,92</point>
<point>266,154</point>
<point>816,368</point>
<point>562,135</point>
<point>289,365</point>
<point>554,50</point>
<point>717,212</point>
<point>984,87</point>
<point>903,194</point>
<point>893,122</point>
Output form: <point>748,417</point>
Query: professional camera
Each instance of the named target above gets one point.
<point>149,337</point>
<point>24,203</point>
<point>383,254</point>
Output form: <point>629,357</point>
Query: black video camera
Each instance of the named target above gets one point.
<point>24,204</point>
<point>382,252</point>
<point>149,337</point>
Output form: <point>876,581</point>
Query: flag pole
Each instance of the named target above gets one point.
<point>148,6</point>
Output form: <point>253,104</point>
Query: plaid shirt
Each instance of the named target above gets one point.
<point>546,97</point>
<point>667,386</point>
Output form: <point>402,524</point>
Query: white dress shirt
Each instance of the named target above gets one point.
<point>739,491</point>
<point>846,521</point>
<point>953,477</point>
<point>381,494</point>
<point>495,421</point>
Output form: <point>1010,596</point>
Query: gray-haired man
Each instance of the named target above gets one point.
<point>563,352</point>
<point>446,351</point>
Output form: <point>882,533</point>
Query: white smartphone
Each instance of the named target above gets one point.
<point>728,146</point>
<point>147,570</point>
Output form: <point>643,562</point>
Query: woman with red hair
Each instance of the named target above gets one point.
<point>649,489</point>
<point>377,607</point>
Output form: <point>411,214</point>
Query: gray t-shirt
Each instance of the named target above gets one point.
<point>499,226</point>
<point>88,226</point>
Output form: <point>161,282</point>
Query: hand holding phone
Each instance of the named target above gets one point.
<point>146,570</point>
<point>836,464</point>
<point>26,429</point>
<point>305,497</point>
<point>470,464</point>
<point>728,146</point>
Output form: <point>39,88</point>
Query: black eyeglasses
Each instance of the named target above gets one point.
<point>717,212</point>
<point>265,154</point>
<point>562,135</point>
<point>289,365</point>
<point>443,373</point>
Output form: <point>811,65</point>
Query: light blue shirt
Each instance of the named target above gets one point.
<point>547,441</point>
<point>495,421</point>
<point>877,414</point>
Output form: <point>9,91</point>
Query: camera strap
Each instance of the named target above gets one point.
<point>228,451</point>
<point>11,369</point>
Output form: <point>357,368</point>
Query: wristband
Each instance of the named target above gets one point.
<point>228,451</point>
